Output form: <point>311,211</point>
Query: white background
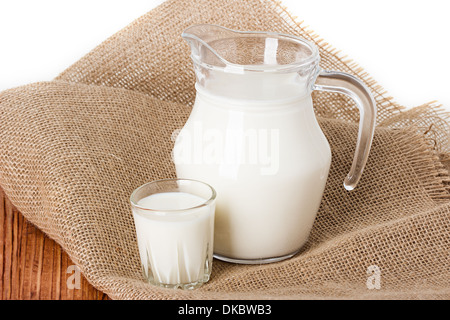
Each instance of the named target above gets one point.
<point>403,44</point>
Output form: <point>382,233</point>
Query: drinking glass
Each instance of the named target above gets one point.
<point>174,222</point>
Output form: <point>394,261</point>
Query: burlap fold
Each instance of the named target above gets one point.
<point>73,149</point>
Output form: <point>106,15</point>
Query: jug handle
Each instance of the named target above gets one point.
<point>339,82</point>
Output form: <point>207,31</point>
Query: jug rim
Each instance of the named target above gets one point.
<point>230,67</point>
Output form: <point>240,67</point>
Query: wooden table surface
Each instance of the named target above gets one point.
<point>34,267</point>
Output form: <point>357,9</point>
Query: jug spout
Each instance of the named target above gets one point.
<point>200,38</point>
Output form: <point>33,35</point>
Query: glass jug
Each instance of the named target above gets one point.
<point>253,135</point>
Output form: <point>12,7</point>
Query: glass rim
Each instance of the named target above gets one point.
<point>206,203</point>
<point>313,58</point>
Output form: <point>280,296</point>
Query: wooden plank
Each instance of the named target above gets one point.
<point>23,252</point>
<point>36,265</point>
<point>2,241</point>
<point>47,270</point>
<point>56,281</point>
<point>15,271</point>
<point>8,239</point>
<point>32,266</point>
<point>29,257</point>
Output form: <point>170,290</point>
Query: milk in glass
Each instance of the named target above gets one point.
<point>175,244</point>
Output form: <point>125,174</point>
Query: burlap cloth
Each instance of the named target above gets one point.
<point>73,149</point>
